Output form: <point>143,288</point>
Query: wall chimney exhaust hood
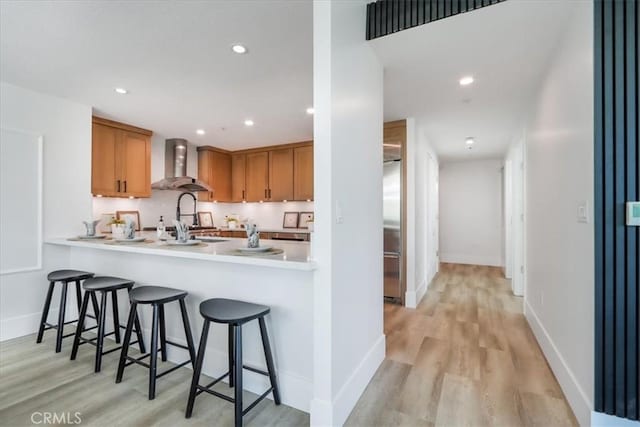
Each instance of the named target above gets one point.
<point>175,169</point>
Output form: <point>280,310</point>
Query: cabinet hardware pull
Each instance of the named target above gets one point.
<point>242,194</point>
<point>269,193</point>
<point>125,185</point>
<point>118,182</point>
<point>265,193</point>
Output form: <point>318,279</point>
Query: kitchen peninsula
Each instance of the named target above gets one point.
<point>283,282</point>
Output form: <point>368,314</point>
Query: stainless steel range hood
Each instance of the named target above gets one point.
<point>175,169</point>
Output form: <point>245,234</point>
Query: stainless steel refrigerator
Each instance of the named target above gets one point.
<point>392,214</point>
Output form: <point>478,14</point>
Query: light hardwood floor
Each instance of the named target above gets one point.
<point>33,378</point>
<point>464,357</point>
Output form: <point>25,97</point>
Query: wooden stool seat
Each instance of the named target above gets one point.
<point>68,275</point>
<point>155,295</point>
<point>222,310</point>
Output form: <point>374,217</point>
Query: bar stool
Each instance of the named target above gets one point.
<point>104,285</point>
<point>64,277</point>
<point>157,296</point>
<point>235,314</point>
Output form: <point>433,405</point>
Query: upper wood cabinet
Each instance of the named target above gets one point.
<point>303,173</point>
<point>257,176</point>
<point>120,159</point>
<point>238,179</point>
<point>214,168</point>
<point>277,173</point>
<point>280,175</point>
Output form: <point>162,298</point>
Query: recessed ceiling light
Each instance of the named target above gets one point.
<point>238,48</point>
<point>310,110</point>
<point>200,131</point>
<point>248,122</point>
<point>465,81</point>
<point>121,90</point>
<point>469,141</point>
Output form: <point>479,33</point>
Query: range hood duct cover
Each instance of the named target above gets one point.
<point>175,169</point>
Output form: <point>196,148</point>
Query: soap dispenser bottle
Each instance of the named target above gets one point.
<point>161,228</point>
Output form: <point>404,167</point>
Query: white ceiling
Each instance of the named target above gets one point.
<point>506,47</point>
<point>176,61</point>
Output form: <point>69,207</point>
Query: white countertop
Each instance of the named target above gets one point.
<point>294,257</point>
<point>271,230</point>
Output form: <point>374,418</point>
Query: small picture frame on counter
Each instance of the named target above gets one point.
<point>133,215</point>
<point>205,219</point>
<point>305,218</point>
<point>104,226</point>
<point>290,220</point>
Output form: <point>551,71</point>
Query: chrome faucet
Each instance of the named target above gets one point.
<point>195,201</point>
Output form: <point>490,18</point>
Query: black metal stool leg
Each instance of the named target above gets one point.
<point>163,333</point>
<point>101,324</point>
<point>231,354</point>
<point>45,312</point>
<point>125,344</point>
<point>187,332</point>
<point>80,325</point>
<point>61,312</point>
<point>154,353</point>
<point>116,317</point>
<point>197,370</point>
<point>269,357</point>
<point>237,374</point>
<point>78,296</point>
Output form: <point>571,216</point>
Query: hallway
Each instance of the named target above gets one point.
<point>465,357</point>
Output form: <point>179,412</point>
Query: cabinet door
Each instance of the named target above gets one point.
<point>238,169</point>
<point>204,174</point>
<point>303,173</point>
<point>135,157</point>
<point>281,175</point>
<point>221,176</point>
<point>103,160</point>
<point>257,176</point>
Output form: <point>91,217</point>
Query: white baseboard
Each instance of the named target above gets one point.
<point>335,413</point>
<point>471,259</point>
<point>578,399</point>
<point>598,419</point>
<point>413,298</point>
<point>20,326</point>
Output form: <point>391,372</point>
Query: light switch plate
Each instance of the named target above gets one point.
<point>583,212</point>
<point>633,214</point>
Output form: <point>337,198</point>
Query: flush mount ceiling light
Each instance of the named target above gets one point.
<point>121,90</point>
<point>310,110</point>
<point>469,140</point>
<point>465,81</point>
<point>200,131</point>
<point>248,122</point>
<point>238,48</point>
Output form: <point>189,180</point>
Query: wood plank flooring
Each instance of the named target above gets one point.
<point>33,378</point>
<point>464,357</point>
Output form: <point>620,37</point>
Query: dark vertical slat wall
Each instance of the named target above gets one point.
<point>386,17</point>
<point>617,180</point>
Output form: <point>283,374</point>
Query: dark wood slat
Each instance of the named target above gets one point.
<point>447,8</point>
<point>619,100</point>
<point>379,32</point>
<point>389,16</point>
<point>414,13</point>
<point>440,9</point>
<point>395,14</point>
<point>598,214</point>
<point>368,31</point>
<point>609,214</point>
<point>421,4</point>
<point>401,16</point>
<point>383,17</point>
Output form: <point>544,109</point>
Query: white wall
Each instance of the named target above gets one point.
<point>163,202</point>
<point>514,215</point>
<point>422,215</point>
<point>66,128</point>
<point>471,212</point>
<point>559,250</point>
<point>348,301</point>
